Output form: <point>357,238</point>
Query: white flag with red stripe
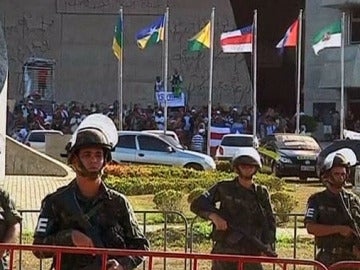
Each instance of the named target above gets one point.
<point>216,134</point>
<point>237,41</point>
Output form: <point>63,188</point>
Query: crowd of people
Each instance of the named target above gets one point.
<point>189,123</point>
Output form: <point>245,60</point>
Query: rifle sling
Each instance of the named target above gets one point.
<point>347,209</point>
<point>84,218</point>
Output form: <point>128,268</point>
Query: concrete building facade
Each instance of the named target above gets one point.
<point>322,73</point>
<point>78,36</point>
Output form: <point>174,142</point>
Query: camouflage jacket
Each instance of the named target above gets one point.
<point>112,226</point>
<point>248,209</point>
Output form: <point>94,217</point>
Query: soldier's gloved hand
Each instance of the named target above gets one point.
<point>114,265</point>
<point>81,240</point>
<point>345,230</point>
<point>220,223</point>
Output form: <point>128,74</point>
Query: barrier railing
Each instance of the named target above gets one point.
<point>188,230</point>
<point>143,217</point>
<point>293,230</point>
<point>345,265</point>
<point>150,256</point>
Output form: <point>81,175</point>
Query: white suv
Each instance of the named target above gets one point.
<point>230,143</point>
<point>147,148</point>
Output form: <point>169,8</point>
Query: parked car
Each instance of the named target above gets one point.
<point>148,148</point>
<point>230,143</point>
<point>289,154</point>
<point>36,138</point>
<point>169,133</point>
<point>336,145</point>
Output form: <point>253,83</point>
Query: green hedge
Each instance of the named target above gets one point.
<point>141,180</point>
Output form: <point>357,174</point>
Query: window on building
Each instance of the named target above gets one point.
<point>355,26</point>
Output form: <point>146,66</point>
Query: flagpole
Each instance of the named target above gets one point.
<point>120,71</point>
<point>166,67</point>
<point>298,92</point>
<point>212,24</point>
<point>254,72</point>
<point>342,75</point>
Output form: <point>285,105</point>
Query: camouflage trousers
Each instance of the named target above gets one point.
<point>222,248</point>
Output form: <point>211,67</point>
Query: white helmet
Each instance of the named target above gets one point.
<point>247,155</point>
<point>95,129</point>
<point>344,157</point>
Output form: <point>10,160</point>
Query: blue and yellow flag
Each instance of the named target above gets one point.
<point>118,39</point>
<point>152,34</point>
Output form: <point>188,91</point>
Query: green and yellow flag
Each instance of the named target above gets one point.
<point>151,34</point>
<point>201,40</point>
<point>118,39</point>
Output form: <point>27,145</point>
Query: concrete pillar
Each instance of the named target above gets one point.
<point>3,101</point>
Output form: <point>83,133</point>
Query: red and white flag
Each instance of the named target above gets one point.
<point>290,38</point>
<point>216,134</point>
<point>237,41</point>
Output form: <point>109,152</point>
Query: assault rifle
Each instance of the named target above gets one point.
<point>72,206</point>
<point>235,234</point>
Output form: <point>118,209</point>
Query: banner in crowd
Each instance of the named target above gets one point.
<point>172,99</point>
<point>216,134</point>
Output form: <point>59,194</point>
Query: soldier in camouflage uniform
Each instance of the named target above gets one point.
<point>244,215</point>
<point>9,224</point>
<point>86,213</point>
<point>332,215</point>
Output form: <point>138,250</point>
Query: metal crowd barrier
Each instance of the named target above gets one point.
<point>183,226</point>
<point>151,257</point>
<point>345,265</point>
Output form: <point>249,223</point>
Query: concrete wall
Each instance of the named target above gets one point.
<point>3,99</point>
<point>78,35</point>
<point>317,17</point>
<point>23,160</point>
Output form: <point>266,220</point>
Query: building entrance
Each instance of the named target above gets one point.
<point>276,82</point>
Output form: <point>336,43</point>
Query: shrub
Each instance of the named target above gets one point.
<point>224,166</point>
<point>195,193</point>
<point>272,182</point>
<point>201,231</point>
<point>169,200</point>
<point>283,203</point>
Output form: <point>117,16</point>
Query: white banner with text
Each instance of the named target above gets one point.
<point>172,99</point>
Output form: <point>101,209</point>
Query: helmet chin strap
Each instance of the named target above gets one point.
<point>242,176</point>
<point>80,169</point>
<point>335,185</point>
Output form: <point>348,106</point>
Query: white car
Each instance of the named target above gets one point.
<point>231,143</point>
<point>36,138</point>
<point>147,148</point>
<point>169,133</point>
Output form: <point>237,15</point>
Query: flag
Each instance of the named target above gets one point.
<point>237,41</point>
<point>118,39</point>
<point>201,40</point>
<point>329,36</point>
<point>291,36</point>
<point>216,134</point>
<point>152,34</point>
